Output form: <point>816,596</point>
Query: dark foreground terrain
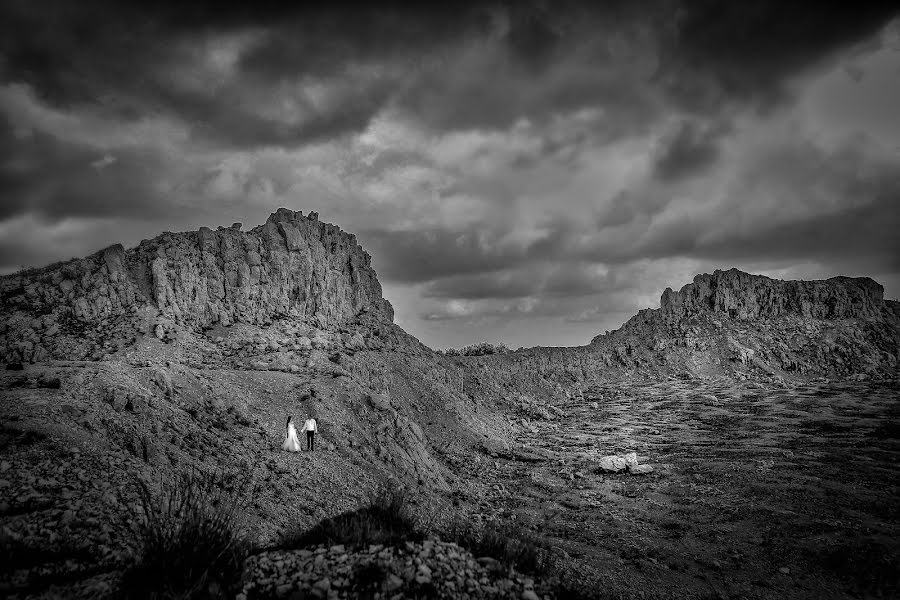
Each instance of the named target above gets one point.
<point>757,491</point>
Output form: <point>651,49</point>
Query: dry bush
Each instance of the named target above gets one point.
<point>387,518</point>
<point>191,537</point>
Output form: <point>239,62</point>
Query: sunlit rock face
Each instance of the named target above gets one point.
<point>292,266</point>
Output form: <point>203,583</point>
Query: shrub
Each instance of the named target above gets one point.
<point>386,519</point>
<point>191,537</point>
<point>479,349</point>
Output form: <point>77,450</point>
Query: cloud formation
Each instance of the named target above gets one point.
<point>520,171</point>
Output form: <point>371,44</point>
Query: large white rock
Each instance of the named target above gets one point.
<point>612,464</point>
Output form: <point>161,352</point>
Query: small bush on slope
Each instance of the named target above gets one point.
<point>191,537</point>
<point>386,519</point>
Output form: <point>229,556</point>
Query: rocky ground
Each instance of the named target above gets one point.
<point>759,422</point>
<point>429,569</point>
<point>758,491</point>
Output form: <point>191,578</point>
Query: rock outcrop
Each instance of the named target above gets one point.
<point>746,297</point>
<point>727,323</point>
<point>292,266</point>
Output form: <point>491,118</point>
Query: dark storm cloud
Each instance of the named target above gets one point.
<point>796,202</point>
<point>42,175</point>
<point>258,102</point>
<point>691,149</point>
<point>460,66</point>
<point>861,233</point>
<point>749,49</point>
<point>121,57</point>
<point>868,232</point>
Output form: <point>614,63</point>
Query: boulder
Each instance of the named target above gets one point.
<point>379,401</point>
<point>612,464</point>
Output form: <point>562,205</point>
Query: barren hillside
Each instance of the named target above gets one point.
<point>190,350</point>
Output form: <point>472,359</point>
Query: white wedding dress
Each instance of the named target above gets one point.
<point>291,443</point>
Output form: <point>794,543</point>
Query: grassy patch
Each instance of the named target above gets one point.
<point>192,537</point>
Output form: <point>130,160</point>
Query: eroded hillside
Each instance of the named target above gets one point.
<point>190,350</point>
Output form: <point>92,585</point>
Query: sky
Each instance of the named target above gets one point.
<point>525,172</point>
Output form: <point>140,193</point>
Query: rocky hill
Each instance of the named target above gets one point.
<point>740,324</point>
<point>745,297</point>
<point>728,323</point>
<point>189,351</point>
<point>292,266</point>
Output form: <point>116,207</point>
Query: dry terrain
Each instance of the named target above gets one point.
<point>757,491</point>
<point>768,410</point>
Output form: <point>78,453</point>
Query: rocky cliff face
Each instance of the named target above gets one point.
<point>728,323</point>
<point>731,322</point>
<point>292,266</point>
<point>746,297</point>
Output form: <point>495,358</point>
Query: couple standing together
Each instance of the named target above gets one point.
<point>291,443</point>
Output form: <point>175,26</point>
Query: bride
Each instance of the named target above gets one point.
<point>291,443</point>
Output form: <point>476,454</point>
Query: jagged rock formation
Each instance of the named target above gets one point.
<point>746,297</point>
<point>204,341</point>
<point>726,323</point>
<point>292,266</point>
<point>732,321</point>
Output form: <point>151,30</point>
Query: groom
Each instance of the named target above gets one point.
<point>310,427</point>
